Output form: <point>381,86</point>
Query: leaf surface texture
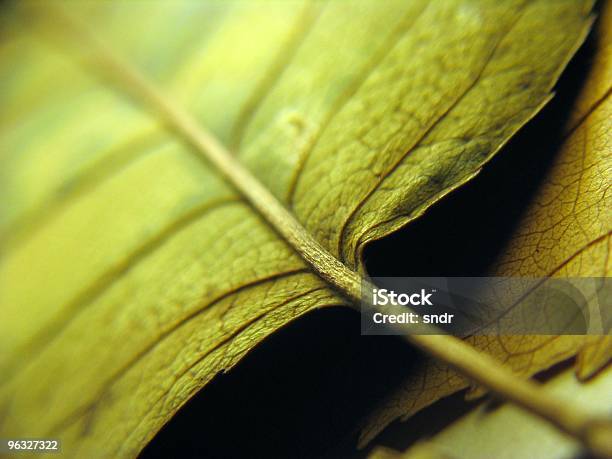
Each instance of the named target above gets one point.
<point>131,273</point>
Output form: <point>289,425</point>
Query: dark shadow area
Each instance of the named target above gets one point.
<point>401,435</point>
<point>296,395</point>
<point>304,392</point>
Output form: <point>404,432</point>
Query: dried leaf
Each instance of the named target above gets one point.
<point>132,273</point>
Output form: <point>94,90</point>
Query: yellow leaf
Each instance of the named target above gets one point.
<point>132,273</point>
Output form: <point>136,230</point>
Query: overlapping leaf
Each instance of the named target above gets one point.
<point>507,431</point>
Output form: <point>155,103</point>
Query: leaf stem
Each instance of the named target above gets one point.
<point>595,433</point>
